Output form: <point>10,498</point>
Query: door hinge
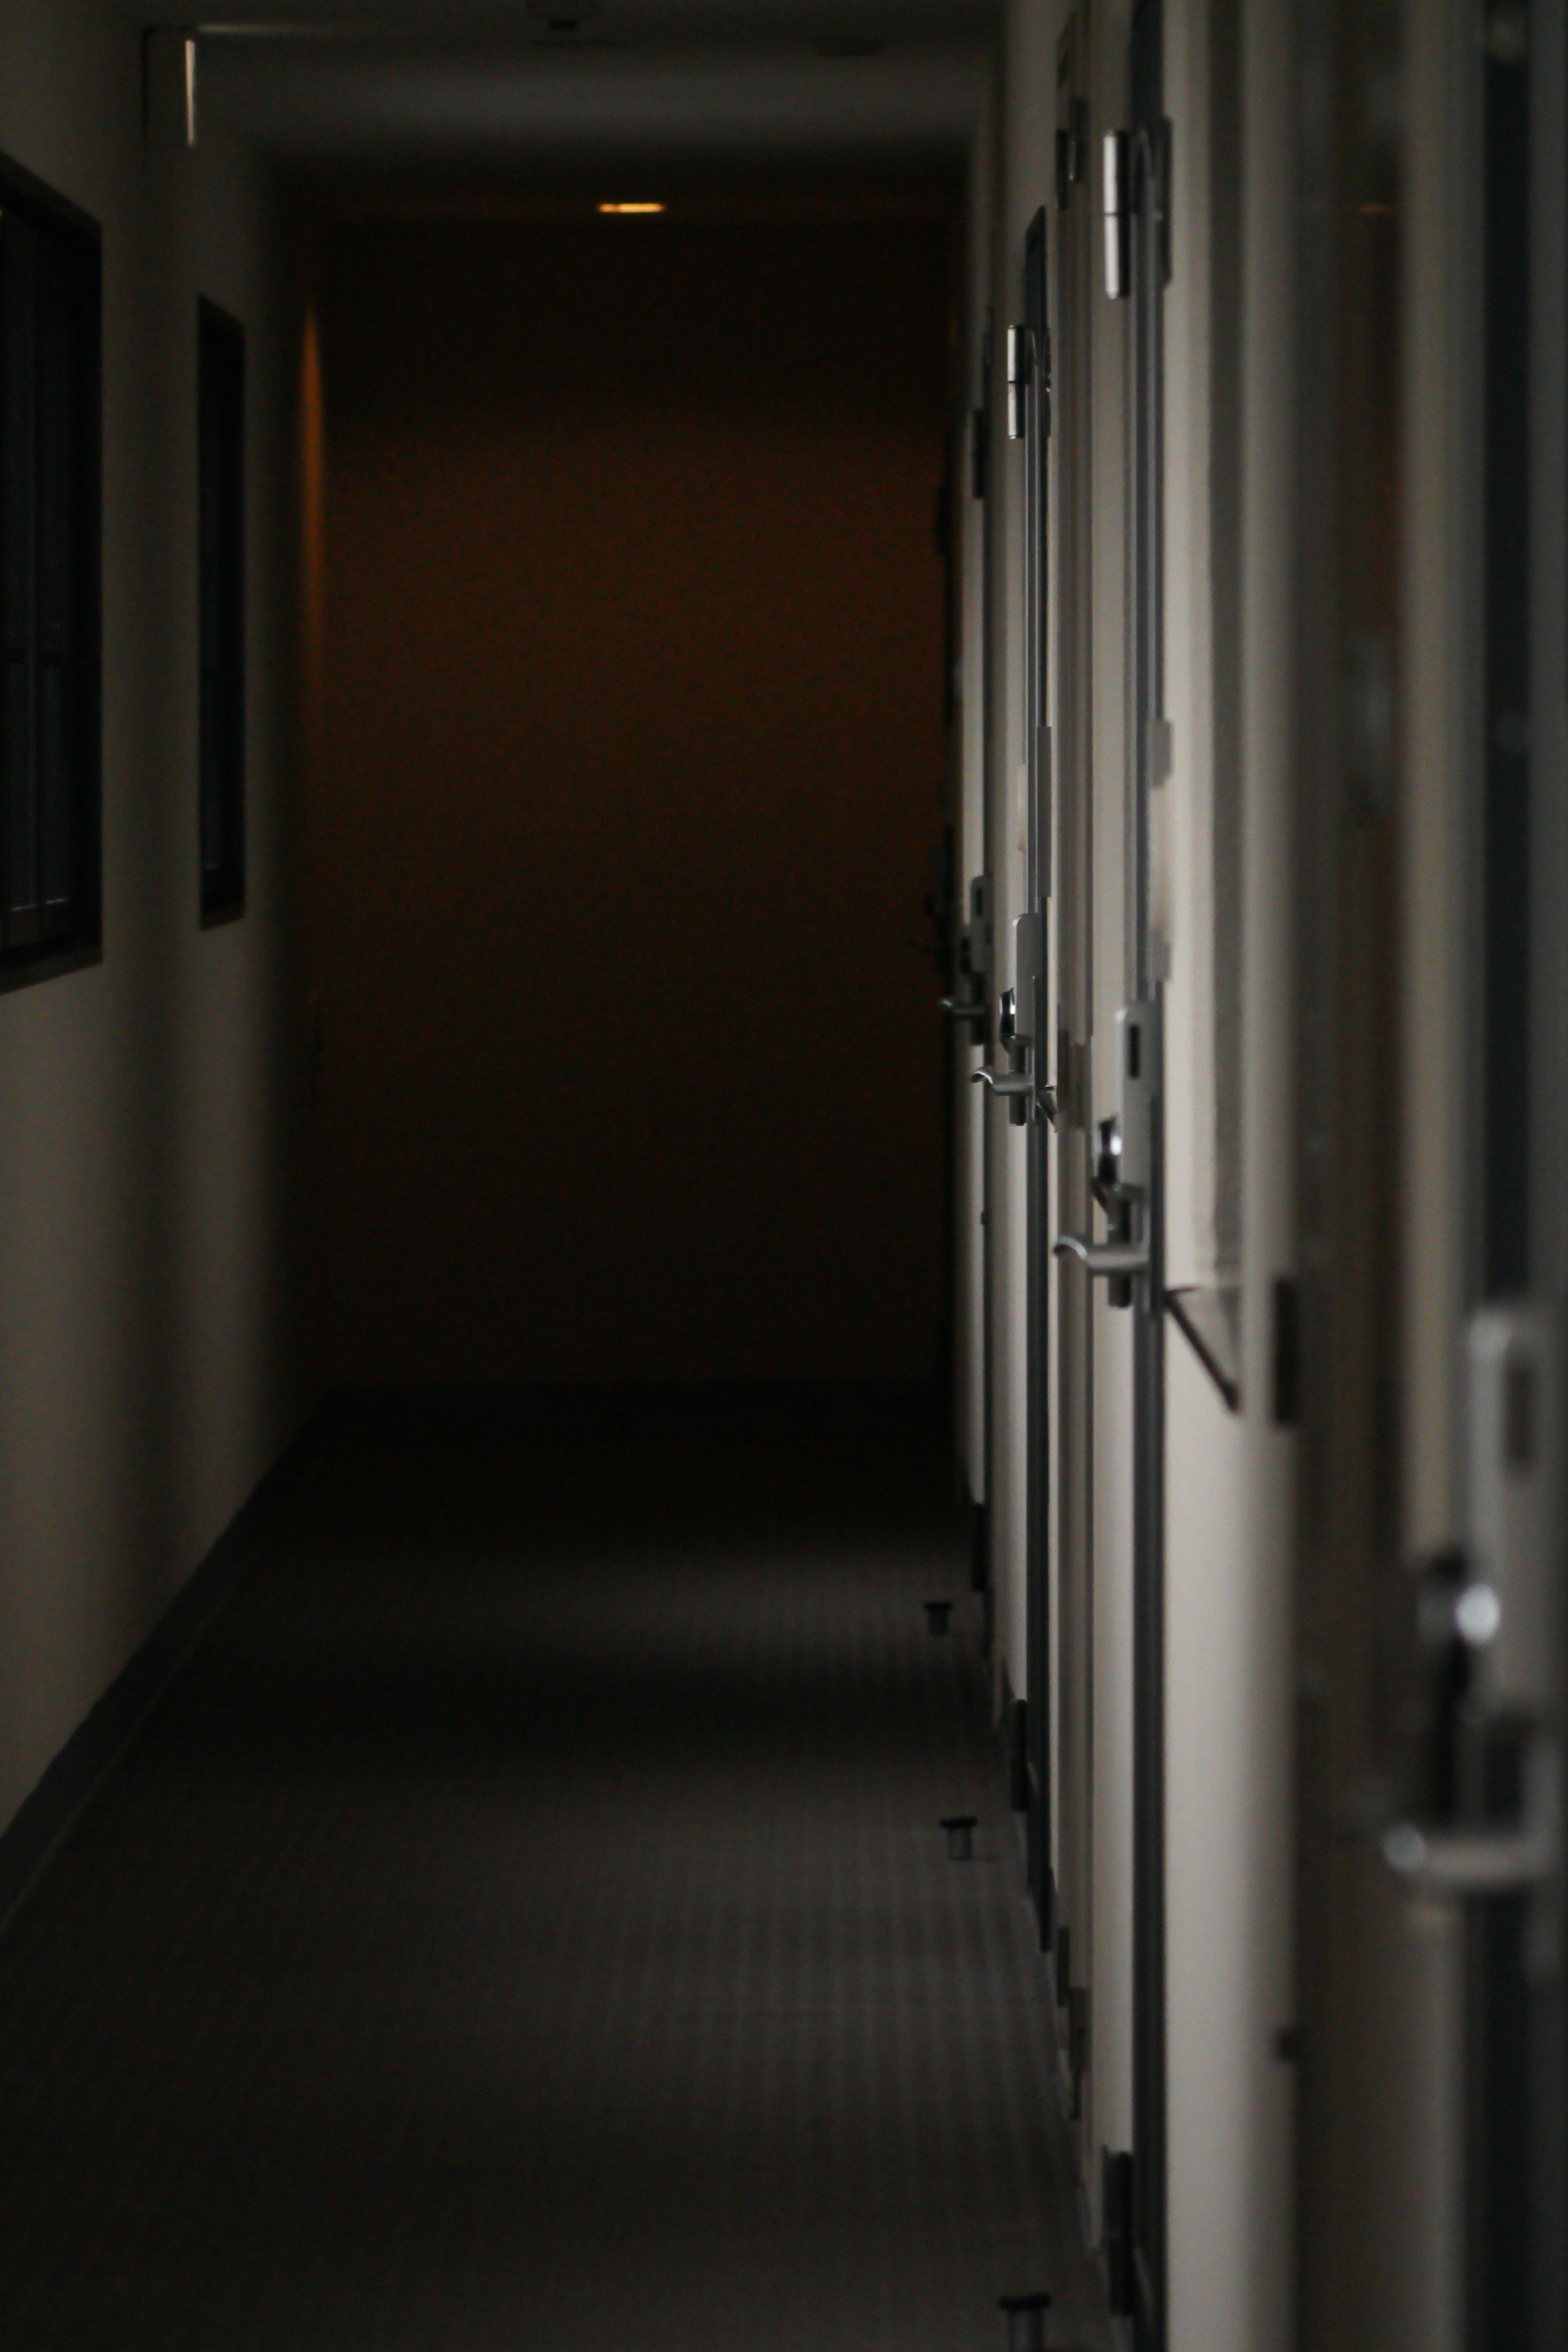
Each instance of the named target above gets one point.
<point>1072,153</point>
<point>1137,167</point>
<point>1045,778</point>
<point>1017,380</point>
<point>1161,144</point>
<point>1018,1757</point>
<point>1118,156</point>
<point>1077,2043</point>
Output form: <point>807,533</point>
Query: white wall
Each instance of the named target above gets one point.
<point>1229,1760</point>
<point>1230,1497</point>
<point>145,1376</point>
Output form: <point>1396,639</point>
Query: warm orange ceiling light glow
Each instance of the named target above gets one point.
<point>631,208</point>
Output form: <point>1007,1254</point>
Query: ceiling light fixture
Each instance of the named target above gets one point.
<point>631,208</point>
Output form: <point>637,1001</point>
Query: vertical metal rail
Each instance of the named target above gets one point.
<point>1549,1219</point>
<point>1517,2212</point>
<point>1073,879</point>
<point>1147,765</point>
<point>1145,777</point>
<point>1038,885</point>
<point>1130,1159</point>
<point>988,869</point>
<point>1499,2183</point>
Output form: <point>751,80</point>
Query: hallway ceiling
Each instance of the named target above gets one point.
<point>542,83</point>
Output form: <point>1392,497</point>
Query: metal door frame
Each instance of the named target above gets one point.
<point>1498,2172</point>
<point>1130,1172</point>
<point>1037,891</point>
<point>1549,740</point>
<point>1147,766</point>
<point>1073,741</point>
<point>1351,619</point>
<point>988,869</point>
<point>1516,2161</point>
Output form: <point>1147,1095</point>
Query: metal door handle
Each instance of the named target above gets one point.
<point>1474,1862</point>
<point>1113,1258</point>
<point>958,1008</point>
<point>1018,1086</point>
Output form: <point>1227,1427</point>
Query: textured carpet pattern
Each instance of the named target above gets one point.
<point>525,1927</point>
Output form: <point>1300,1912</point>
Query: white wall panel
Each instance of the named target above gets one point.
<point>146,1374</point>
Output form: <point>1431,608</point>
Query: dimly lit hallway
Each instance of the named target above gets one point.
<point>525,1922</point>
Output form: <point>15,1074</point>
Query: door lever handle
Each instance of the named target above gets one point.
<point>1473,1863</point>
<point>1018,1087</point>
<point>960,1008</point>
<point>1113,1258</point>
<point>1460,1861</point>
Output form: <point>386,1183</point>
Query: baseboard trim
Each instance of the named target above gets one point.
<point>46,1818</point>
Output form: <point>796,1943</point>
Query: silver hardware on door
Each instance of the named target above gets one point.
<point>1014,1082</point>
<point>1493,1616</point>
<point>1117,153</point>
<point>1018,1031</point>
<point>1029,976</point>
<point>1122,1161</point>
<point>971,1002</point>
<point>1119,1260</point>
<point>1134,1085</point>
<point>1510,1608</point>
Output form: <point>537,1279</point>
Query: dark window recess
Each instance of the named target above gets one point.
<point>50,482</point>
<point>222,462</point>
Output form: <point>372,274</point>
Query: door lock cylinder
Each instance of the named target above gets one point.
<point>1498,1609</point>
<point>1121,1164</point>
<point>1018,1030</point>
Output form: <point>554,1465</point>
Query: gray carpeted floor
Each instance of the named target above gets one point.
<point>525,1927</point>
